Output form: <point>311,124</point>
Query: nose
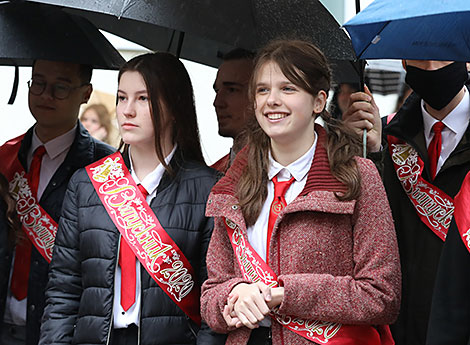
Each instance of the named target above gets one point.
<point>48,92</point>
<point>129,109</point>
<point>273,99</point>
<point>219,100</point>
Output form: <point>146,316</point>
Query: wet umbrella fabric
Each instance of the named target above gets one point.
<point>213,27</point>
<point>31,31</point>
<point>418,30</point>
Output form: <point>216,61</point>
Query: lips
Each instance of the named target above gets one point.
<point>128,125</point>
<point>276,115</point>
<point>44,107</point>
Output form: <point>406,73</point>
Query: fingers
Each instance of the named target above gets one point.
<point>250,307</point>
<point>265,291</point>
<point>229,315</point>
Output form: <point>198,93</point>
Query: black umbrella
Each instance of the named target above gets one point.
<point>31,31</point>
<point>210,28</point>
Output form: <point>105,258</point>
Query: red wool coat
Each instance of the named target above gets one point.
<point>338,260</point>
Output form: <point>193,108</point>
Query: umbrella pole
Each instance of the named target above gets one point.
<point>361,66</point>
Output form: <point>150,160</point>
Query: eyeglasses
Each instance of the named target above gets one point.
<point>58,91</point>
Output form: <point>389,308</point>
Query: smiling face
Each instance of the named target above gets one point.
<point>56,116</point>
<point>133,111</point>
<point>285,112</point>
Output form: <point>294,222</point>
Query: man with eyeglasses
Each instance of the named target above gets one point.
<point>44,160</point>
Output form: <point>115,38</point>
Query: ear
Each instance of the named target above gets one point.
<point>87,94</point>
<point>319,102</point>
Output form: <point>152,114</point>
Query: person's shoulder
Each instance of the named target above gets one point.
<point>193,169</point>
<point>102,149</point>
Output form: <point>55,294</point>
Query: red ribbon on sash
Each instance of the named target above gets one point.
<point>255,269</point>
<point>139,226</point>
<point>38,225</point>
<point>434,207</point>
<point>462,211</point>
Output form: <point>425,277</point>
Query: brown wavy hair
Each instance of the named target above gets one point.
<point>8,205</point>
<point>169,87</point>
<point>305,66</point>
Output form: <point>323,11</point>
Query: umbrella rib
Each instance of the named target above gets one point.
<point>368,45</point>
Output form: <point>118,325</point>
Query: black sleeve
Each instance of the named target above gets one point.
<point>449,322</point>
<point>64,287</point>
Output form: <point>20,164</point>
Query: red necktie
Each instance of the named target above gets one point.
<point>20,275</point>
<point>279,202</point>
<point>127,263</point>
<point>434,148</point>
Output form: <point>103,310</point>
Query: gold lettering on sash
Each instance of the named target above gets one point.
<point>120,198</point>
<point>37,224</point>
<point>434,207</point>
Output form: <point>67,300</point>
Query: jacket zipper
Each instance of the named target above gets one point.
<point>112,309</point>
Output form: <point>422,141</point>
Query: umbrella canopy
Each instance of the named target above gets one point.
<point>31,31</point>
<point>418,30</point>
<point>213,27</point>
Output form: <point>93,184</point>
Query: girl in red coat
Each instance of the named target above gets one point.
<point>304,248</point>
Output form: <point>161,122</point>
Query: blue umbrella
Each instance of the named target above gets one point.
<point>412,29</point>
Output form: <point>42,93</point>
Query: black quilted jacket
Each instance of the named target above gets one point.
<point>81,279</point>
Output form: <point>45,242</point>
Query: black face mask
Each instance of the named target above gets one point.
<point>438,87</point>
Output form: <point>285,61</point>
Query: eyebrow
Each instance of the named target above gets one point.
<point>137,92</point>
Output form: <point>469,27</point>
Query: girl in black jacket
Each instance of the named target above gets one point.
<point>89,300</point>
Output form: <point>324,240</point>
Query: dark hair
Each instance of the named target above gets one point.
<point>239,54</point>
<point>84,71</point>
<point>169,87</point>
<point>305,66</point>
<point>8,205</point>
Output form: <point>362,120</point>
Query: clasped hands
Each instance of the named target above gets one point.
<point>248,304</point>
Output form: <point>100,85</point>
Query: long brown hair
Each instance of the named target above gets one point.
<point>305,66</point>
<point>169,87</point>
<point>8,206</point>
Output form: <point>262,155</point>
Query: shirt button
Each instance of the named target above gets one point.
<point>123,313</point>
<point>54,184</point>
<point>32,308</point>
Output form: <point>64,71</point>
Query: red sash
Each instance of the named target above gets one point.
<point>139,226</point>
<point>255,269</point>
<point>36,223</point>
<point>434,207</point>
<point>462,209</point>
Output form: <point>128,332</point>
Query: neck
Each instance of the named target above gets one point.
<point>286,153</point>
<point>441,114</point>
<point>238,143</point>
<point>46,134</point>
<point>145,159</point>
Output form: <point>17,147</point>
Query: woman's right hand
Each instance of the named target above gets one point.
<point>250,307</point>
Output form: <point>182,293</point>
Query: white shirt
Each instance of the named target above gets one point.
<point>56,151</point>
<point>122,319</point>
<point>456,123</point>
<point>258,233</point>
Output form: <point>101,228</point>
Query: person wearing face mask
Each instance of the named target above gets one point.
<point>424,154</point>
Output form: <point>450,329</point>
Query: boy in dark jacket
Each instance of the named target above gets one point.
<point>39,164</point>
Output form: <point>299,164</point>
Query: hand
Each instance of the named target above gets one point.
<point>229,314</point>
<point>250,307</point>
<point>277,295</point>
<point>362,114</point>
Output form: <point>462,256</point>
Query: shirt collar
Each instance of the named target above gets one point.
<point>456,120</point>
<point>55,146</point>
<point>299,168</point>
<point>152,180</point>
